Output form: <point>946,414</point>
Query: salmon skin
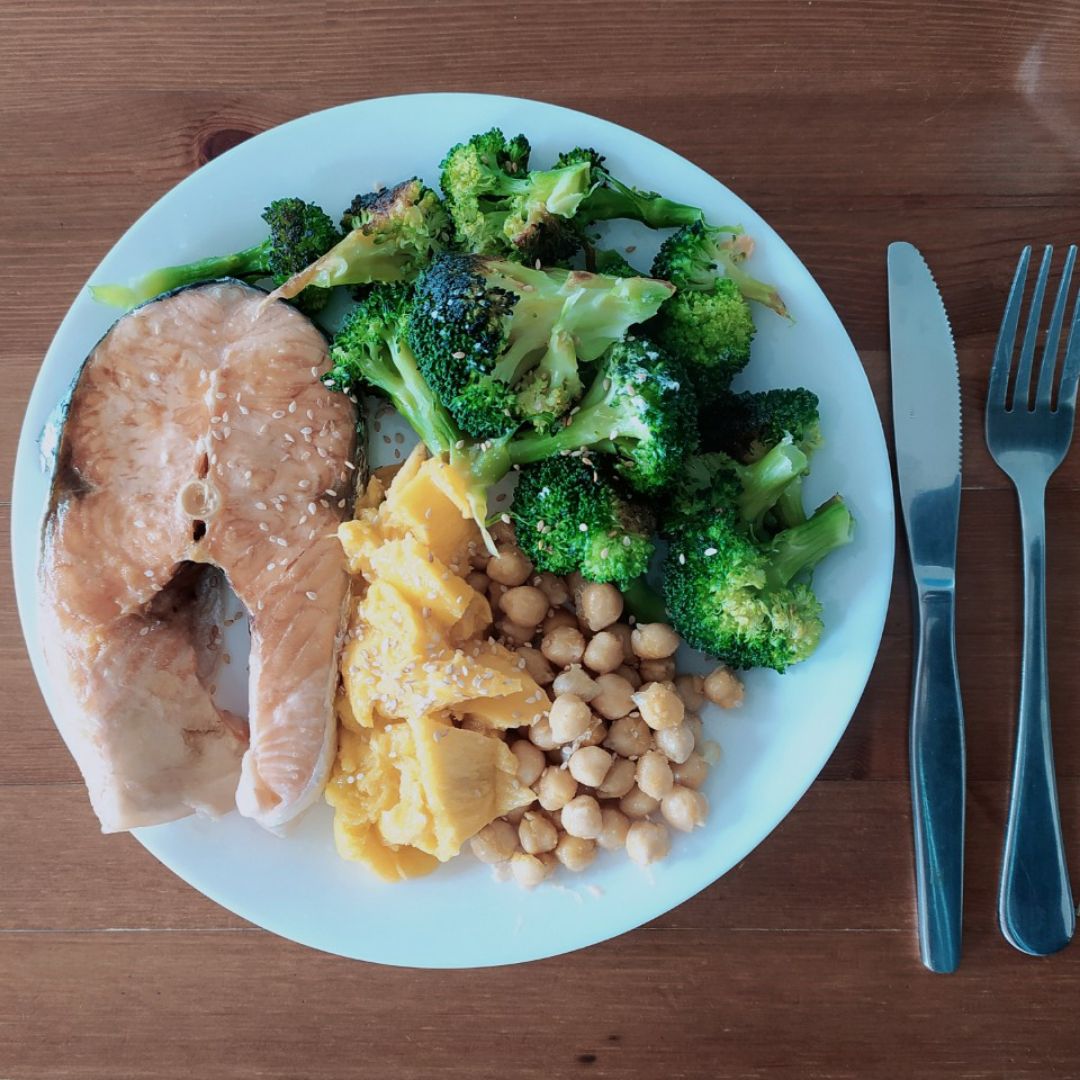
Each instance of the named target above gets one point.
<point>199,445</point>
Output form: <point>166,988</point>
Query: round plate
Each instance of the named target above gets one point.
<point>773,747</point>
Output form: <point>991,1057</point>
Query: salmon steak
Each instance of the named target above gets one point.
<point>199,446</point>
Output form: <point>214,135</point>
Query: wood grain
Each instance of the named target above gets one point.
<point>953,124</point>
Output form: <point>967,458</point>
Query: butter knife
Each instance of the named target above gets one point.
<point>926,419</point>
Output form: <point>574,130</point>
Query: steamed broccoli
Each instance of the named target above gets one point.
<point>501,208</point>
<point>500,343</point>
<point>299,233</point>
<point>607,261</point>
<point>741,601</point>
<point>395,233</point>
<point>639,408</point>
<point>571,515</point>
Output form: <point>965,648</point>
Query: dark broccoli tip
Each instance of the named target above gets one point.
<point>614,264</point>
<point>299,233</point>
<point>571,514</point>
<point>748,425</point>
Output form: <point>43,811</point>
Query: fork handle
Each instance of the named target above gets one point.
<point>1035,904</point>
<point>937,781</point>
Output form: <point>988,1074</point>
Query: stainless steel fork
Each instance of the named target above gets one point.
<point>1028,433</point>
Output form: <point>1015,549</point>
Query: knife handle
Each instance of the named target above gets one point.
<point>937,781</point>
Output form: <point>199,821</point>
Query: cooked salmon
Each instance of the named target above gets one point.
<point>199,441</point>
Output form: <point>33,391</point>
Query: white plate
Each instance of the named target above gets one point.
<point>772,748</point>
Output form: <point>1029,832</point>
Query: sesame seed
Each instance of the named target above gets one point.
<point>310,595</point>
<point>263,527</point>
<point>148,573</point>
<point>350,466</point>
<point>314,372</point>
<point>331,492</point>
<point>215,419</point>
<point>220,396</point>
<point>341,504</point>
<point>311,508</point>
<point>277,414</point>
<point>139,523</point>
<point>710,551</point>
<point>682,559</point>
<point>583,527</point>
<point>292,406</point>
<point>271,565</point>
<point>244,410</point>
<point>459,355</point>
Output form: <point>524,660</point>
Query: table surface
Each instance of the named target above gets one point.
<point>954,125</point>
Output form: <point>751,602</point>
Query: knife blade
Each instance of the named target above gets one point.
<point>927,425</point>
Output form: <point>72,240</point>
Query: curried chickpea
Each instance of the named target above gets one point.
<point>575,852</point>
<point>528,870</point>
<point>495,843</point>
<point>559,617</point>
<point>581,817</point>
<point>676,743</point>
<point>724,689</point>
<point>614,825</point>
<point>554,588</point>
<point>536,665</point>
<point>575,680</point>
<point>530,761</point>
<point>647,842</point>
<point>684,808</point>
<point>569,718</point>
<point>589,765</point>
<point>525,605</point>
<point>657,670</point>
<point>555,788</point>
<point>479,581</point>
<point>536,833</point>
<point>563,646</point>
<point>692,772</point>
<point>636,804</point>
<point>631,675</point>
<point>660,707</point>
<point>619,779</point>
<point>604,653</point>
<point>654,641</point>
<point>510,567</point>
<point>654,775</point>
<point>629,736</point>
<point>598,605</point>
<point>540,734</point>
<point>691,689</point>
<point>515,634</point>
<point>614,699</point>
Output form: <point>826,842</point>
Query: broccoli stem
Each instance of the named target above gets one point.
<point>644,602</point>
<point>765,481</point>
<point>240,264</point>
<point>799,549</point>
<point>789,507</point>
<point>617,200</point>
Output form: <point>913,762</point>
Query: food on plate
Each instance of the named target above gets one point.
<point>199,442</point>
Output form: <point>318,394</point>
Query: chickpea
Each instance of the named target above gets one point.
<point>646,842</point>
<point>598,605</point>
<point>540,734</point>
<point>596,734</point>
<point>525,604</point>
<point>502,532</point>
<point>684,809</point>
<point>614,825</point>
<point>536,665</point>
<point>631,675</point>
<point>581,817</point>
<point>724,689</point>
<point>554,589</point>
<point>654,641</point>
<point>625,634</point>
<point>654,775</point>
<point>660,707</point>
<point>575,583</point>
<point>479,556</point>
<point>657,670</point>
<point>590,765</point>
<point>510,567</point>
<point>636,804</point>
<point>575,852</point>
<point>604,652</point>
<point>528,870</point>
<point>563,646</point>
<point>676,743</point>
<point>629,736</point>
<point>555,788</point>
<point>530,761</point>
<point>513,817</point>
<point>569,718</point>
<point>536,833</point>
<point>478,580</point>
<point>495,594</point>
<point>619,779</point>
<point>691,689</point>
<point>574,680</point>
<point>514,633</point>
<point>692,772</point>
<point>494,843</point>
<point>559,617</point>
<point>697,728</point>
<point>614,699</point>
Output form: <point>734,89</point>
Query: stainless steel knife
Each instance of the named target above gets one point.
<point>926,418</point>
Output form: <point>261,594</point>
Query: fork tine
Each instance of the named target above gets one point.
<point>1053,334</point>
<point>1022,386</point>
<point>1070,370</point>
<point>1006,342</point>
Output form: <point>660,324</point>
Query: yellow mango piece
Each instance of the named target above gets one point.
<point>364,780</point>
<point>498,709</point>
<point>404,474</point>
<point>362,843</point>
<point>359,538</point>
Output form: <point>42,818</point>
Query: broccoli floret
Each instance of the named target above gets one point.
<point>395,234</point>
<point>610,198</point>
<point>299,233</point>
<point>571,515</point>
<point>639,408</point>
<point>740,601</point>
<point>613,264</point>
<point>501,343</point>
<point>501,208</point>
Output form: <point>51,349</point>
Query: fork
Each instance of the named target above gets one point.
<point>1029,440</point>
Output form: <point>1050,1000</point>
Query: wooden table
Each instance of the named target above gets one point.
<point>954,125</point>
